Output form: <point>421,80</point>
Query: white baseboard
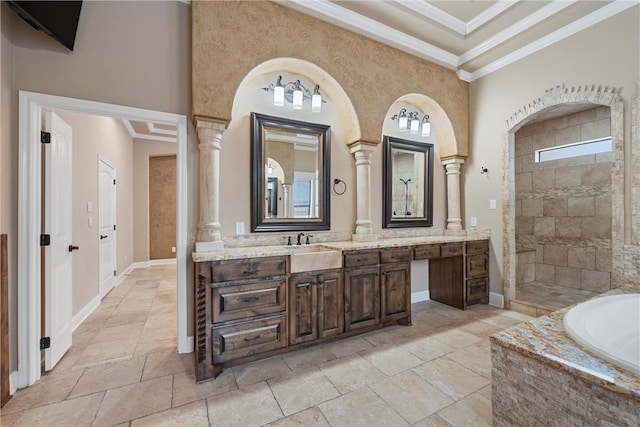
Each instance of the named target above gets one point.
<point>124,274</point>
<point>496,300</point>
<point>85,312</point>
<point>419,296</point>
<point>146,264</point>
<point>190,346</point>
<point>13,380</point>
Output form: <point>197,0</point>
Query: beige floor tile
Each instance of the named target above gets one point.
<point>193,414</point>
<point>486,392</point>
<point>383,337</point>
<point>186,390</point>
<point>48,390</point>
<point>250,406</point>
<point>259,371</point>
<point>351,373</point>
<point>308,358</point>
<point>135,401</point>
<point>426,348</point>
<point>475,358</point>
<point>480,328</point>
<point>456,338</point>
<point>146,346</point>
<point>473,410</point>
<point>451,378</point>
<point>347,346</point>
<point>411,396</point>
<point>434,420</point>
<point>119,333</point>
<point>360,408</point>
<point>73,412</point>
<point>9,420</point>
<point>166,363</point>
<point>302,390</point>
<point>109,376</point>
<point>310,417</point>
<point>391,359</point>
<point>96,354</point>
<point>125,317</point>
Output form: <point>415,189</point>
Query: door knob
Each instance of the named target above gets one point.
<point>73,248</point>
<point>103,236</point>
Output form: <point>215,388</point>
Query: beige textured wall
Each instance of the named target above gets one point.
<point>162,204</point>
<point>93,136</point>
<point>254,32</point>
<point>128,53</point>
<point>605,54</point>
<point>142,150</point>
<point>563,207</point>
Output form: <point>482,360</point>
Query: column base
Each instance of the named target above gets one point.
<point>455,232</point>
<point>364,237</point>
<point>209,246</point>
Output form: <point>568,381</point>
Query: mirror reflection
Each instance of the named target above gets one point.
<point>291,172</point>
<point>408,186</point>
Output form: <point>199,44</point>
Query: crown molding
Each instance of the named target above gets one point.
<point>372,29</point>
<point>488,14</point>
<point>583,23</point>
<point>435,14</point>
<point>515,29</point>
<point>134,134</point>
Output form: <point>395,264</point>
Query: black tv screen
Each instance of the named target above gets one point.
<point>59,19</point>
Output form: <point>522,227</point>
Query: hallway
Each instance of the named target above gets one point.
<point>123,369</point>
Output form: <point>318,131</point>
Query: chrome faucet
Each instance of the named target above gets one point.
<point>300,238</point>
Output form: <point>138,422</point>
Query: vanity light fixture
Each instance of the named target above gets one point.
<point>295,92</point>
<point>410,121</point>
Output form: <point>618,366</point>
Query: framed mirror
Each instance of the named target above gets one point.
<point>290,167</point>
<point>408,183</point>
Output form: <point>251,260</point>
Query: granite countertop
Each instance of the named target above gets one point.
<point>545,339</point>
<point>279,250</point>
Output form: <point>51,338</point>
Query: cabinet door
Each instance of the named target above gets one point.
<point>330,304</point>
<point>303,308</point>
<point>395,293</point>
<point>361,297</point>
<point>446,281</point>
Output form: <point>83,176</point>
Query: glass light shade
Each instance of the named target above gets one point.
<point>402,123</point>
<point>415,124</point>
<point>278,96</point>
<point>426,129</point>
<point>297,99</point>
<point>316,100</point>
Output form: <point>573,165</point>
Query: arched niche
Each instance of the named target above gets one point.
<point>329,87</point>
<point>557,102</point>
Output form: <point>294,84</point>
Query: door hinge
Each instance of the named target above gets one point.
<point>45,137</point>
<point>45,343</point>
<point>114,227</point>
<point>114,273</point>
<point>114,181</point>
<point>45,240</point>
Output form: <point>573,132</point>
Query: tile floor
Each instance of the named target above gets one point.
<point>123,370</point>
<point>538,299</point>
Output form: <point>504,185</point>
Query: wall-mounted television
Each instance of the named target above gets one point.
<point>58,19</point>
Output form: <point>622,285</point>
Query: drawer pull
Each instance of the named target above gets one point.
<point>304,285</point>
<point>252,339</point>
<point>251,299</point>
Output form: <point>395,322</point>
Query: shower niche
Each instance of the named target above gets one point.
<point>408,183</point>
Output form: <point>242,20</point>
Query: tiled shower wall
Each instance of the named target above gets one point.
<point>563,207</point>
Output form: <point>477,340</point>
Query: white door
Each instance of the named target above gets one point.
<point>58,224</point>
<point>107,224</point>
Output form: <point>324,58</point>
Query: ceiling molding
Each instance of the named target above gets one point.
<point>134,134</point>
<point>578,25</point>
<point>515,29</point>
<point>488,15</point>
<point>435,14</point>
<point>153,129</point>
<point>372,29</point>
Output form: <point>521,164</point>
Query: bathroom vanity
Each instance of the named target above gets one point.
<point>255,302</point>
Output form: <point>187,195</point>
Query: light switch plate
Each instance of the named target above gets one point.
<point>492,204</point>
<point>474,221</point>
<point>89,207</point>
<point>239,228</point>
<point>90,221</point>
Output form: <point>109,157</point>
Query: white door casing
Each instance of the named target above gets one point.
<point>106,224</point>
<point>58,224</point>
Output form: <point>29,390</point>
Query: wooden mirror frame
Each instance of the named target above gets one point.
<point>259,221</point>
<point>388,221</point>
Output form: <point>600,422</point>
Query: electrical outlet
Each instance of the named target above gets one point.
<point>492,204</point>
<point>89,207</point>
<point>173,249</point>
<point>474,221</point>
<point>239,228</point>
<point>90,221</point>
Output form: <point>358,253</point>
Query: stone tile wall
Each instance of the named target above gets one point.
<point>563,207</point>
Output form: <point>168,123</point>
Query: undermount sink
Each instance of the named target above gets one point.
<point>314,257</point>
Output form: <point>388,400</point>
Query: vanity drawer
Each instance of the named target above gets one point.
<point>249,268</point>
<point>361,258</point>
<point>426,252</point>
<point>248,338</point>
<point>451,249</point>
<point>477,247</point>
<point>477,265</point>
<point>391,255</point>
<point>478,290</point>
<point>248,299</point>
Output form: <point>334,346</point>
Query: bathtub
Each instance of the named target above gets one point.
<point>608,327</point>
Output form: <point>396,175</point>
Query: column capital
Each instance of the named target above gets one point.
<point>364,146</point>
<point>452,161</point>
<point>204,122</point>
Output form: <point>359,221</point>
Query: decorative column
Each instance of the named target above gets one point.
<point>454,220</point>
<point>286,202</point>
<point>210,137</point>
<point>363,151</point>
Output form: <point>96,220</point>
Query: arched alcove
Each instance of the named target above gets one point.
<point>556,102</point>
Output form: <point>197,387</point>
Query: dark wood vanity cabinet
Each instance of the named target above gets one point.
<point>361,297</point>
<point>395,284</point>
<point>477,272</point>
<point>315,306</point>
